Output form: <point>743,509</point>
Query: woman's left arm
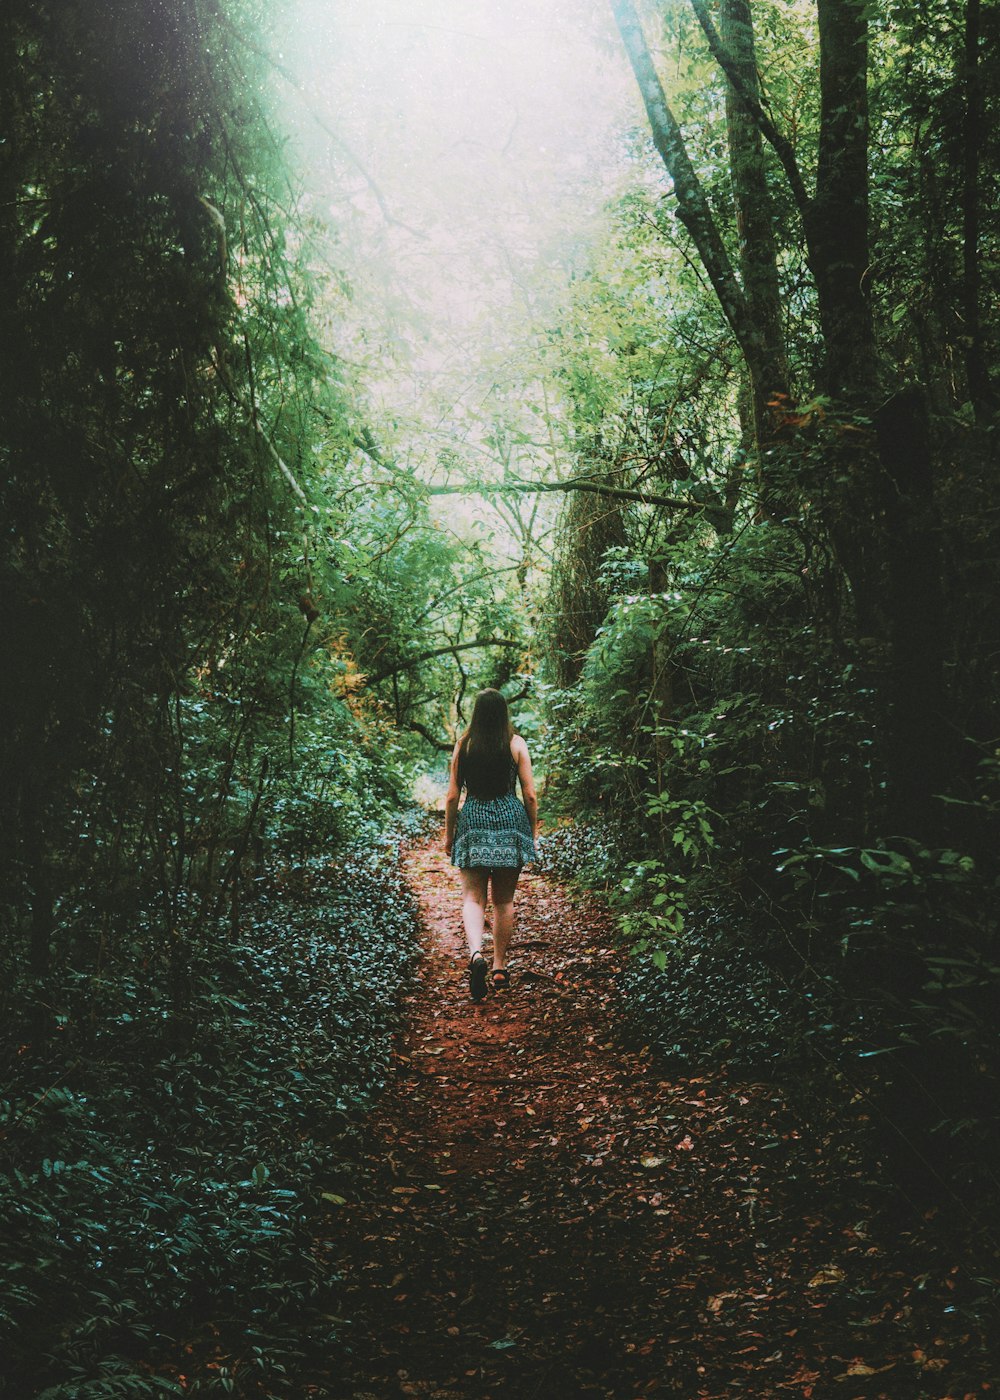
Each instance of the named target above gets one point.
<point>527,780</point>
<point>451,802</point>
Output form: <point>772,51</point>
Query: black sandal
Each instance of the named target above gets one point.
<point>501,979</point>
<point>477,977</point>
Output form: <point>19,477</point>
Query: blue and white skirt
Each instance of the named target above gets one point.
<point>492,833</point>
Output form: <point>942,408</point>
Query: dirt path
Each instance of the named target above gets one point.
<point>549,1215</point>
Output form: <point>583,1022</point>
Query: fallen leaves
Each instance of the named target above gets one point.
<point>861,1368</point>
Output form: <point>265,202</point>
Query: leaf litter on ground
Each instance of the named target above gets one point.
<point>616,1229</point>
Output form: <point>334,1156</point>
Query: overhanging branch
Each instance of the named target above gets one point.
<point>621,493</point>
<point>367,444</point>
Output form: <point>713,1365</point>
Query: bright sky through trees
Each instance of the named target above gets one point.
<point>477,144</point>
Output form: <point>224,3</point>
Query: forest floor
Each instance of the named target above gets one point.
<point>549,1213</point>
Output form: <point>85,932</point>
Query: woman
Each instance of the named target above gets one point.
<point>494,834</point>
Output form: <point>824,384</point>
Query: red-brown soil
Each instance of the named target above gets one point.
<point>550,1214</point>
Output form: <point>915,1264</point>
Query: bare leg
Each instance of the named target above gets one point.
<point>504,884</point>
<point>474,887</point>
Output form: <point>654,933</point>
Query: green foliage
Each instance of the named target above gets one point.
<point>652,894</point>
<point>180,575</point>
<point>187,564</point>
<point>655,905</point>
<point>164,1196</point>
<point>752,660</point>
<point>590,852</point>
<point>228,610</point>
<point>759,792</point>
<point>152,332</point>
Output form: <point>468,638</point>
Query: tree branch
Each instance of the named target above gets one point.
<point>621,493</point>
<point>250,413</point>
<point>370,448</point>
<point>466,583</point>
<point>452,648</point>
<point>366,443</point>
<point>425,733</point>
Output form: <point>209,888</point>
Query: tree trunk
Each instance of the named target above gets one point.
<point>752,310</point>
<point>886,532</point>
<point>976,372</point>
<point>916,746</point>
<point>837,218</point>
<point>836,224</point>
<point>578,597</point>
<point>757,244</point>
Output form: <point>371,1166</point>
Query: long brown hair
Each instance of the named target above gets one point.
<point>484,758</point>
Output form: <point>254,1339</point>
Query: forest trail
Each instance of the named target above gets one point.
<point>549,1214</point>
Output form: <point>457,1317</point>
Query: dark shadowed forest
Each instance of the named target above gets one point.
<point>637,359</point>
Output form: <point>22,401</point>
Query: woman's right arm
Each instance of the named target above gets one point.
<point>451,802</point>
<point>527,781</point>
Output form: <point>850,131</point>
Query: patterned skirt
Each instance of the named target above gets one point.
<point>492,833</point>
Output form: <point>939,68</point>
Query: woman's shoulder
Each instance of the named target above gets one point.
<point>517,746</point>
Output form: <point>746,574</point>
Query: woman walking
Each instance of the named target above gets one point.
<point>494,834</point>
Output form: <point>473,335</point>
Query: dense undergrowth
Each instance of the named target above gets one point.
<point>747,983</point>
<point>692,1009</point>
<point>162,1181</point>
